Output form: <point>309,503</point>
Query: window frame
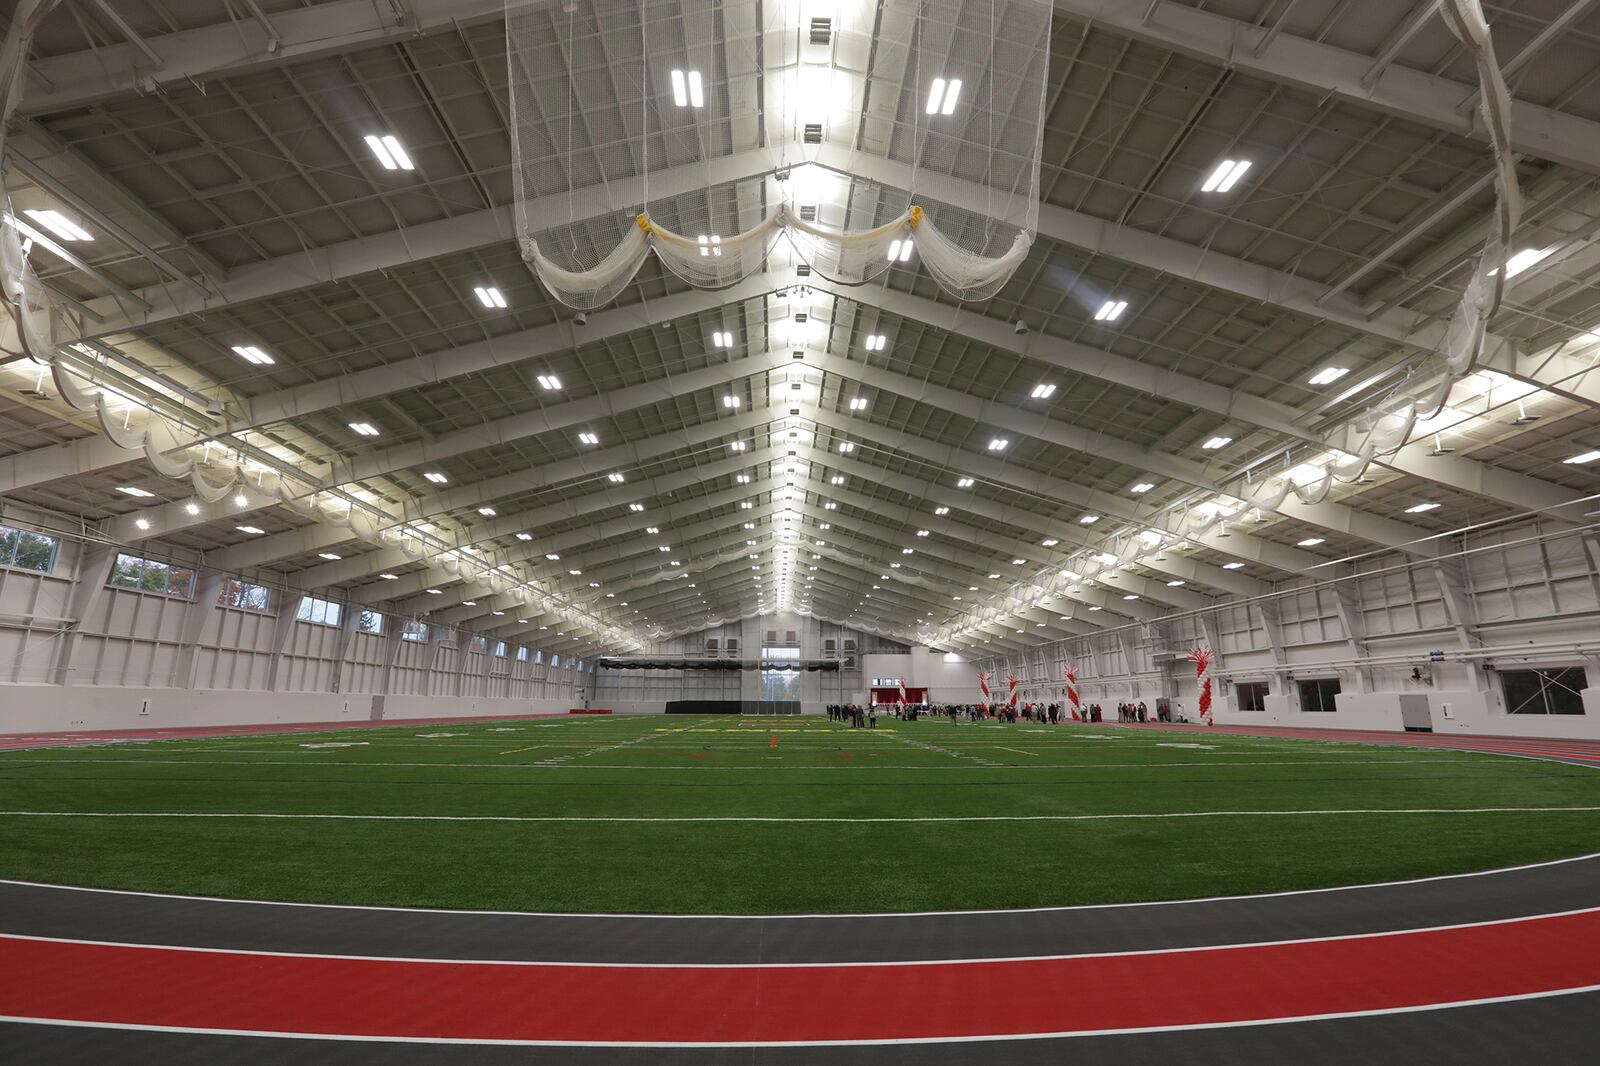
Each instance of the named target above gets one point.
<point>8,555</point>
<point>309,614</point>
<point>1260,690</point>
<point>1550,679</point>
<point>1324,699</point>
<point>146,566</point>
<point>234,591</point>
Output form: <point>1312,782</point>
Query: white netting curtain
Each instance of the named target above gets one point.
<point>727,137</point>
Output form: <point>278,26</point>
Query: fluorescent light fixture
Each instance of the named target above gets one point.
<point>922,532</point>
<point>436,477</point>
<point>1523,260</point>
<point>742,479</point>
<point>1583,457</point>
<point>635,506</point>
<point>252,354</point>
<point>941,510</point>
<point>330,556</point>
<point>434,592</point>
<point>721,339</point>
<point>745,505</point>
<point>964,483</point>
<point>858,404</point>
<point>1043,392</point>
<point>837,479</point>
<point>730,401</point>
<point>846,446</point>
<point>1018,562</point>
<point>141,523</point>
<point>1175,583</point>
<point>1233,566</point>
<point>1419,508</point>
<point>1088,520</point>
<point>1217,442</point>
<point>710,246</point>
<point>1328,375</point>
<point>548,382</point>
<point>900,250</point>
<point>60,225</point>
<point>1111,310</point>
<point>366,429</point>
<point>1049,542</point>
<point>1226,176</point>
<point>688,89</point>
<point>652,530</point>
<point>942,96</point>
<point>738,446</point>
<point>1130,596</point>
<point>877,341</point>
<point>615,479</point>
<point>488,512</point>
<point>553,556</point>
<point>830,506</point>
<point>254,531</point>
<point>389,152</point>
<point>489,296</point>
<point>998,444</point>
<point>575,572</point>
<point>390,577</point>
<point>1141,487</point>
<point>524,536</point>
<point>143,494</point>
<point>192,508</point>
<point>1311,542</point>
<point>588,438</point>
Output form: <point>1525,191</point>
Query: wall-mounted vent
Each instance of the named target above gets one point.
<point>733,645</point>
<point>772,636</point>
<point>711,646</point>
<point>808,213</point>
<point>830,646</point>
<point>849,645</point>
<point>789,637</point>
<point>801,317</point>
<point>821,30</point>
<point>804,270</point>
<point>813,133</point>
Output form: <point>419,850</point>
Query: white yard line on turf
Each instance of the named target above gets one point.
<point>763,819</point>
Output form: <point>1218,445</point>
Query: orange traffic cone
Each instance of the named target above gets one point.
<point>774,740</point>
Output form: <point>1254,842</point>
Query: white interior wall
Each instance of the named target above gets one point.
<point>78,654</point>
<point>1529,598</point>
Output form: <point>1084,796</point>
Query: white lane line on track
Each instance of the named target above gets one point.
<point>1498,871</point>
<point>765,819</point>
<point>847,964</point>
<point>1068,1034</point>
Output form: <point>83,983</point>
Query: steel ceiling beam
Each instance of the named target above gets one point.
<point>1328,71</point>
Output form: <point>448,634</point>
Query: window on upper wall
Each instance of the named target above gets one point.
<point>538,655</point>
<point>1253,695</point>
<point>1555,691</point>
<point>152,575</point>
<point>522,653</point>
<point>499,649</point>
<point>322,612</point>
<point>555,660</point>
<point>1317,695</point>
<point>21,549</point>
<point>414,630</point>
<point>477,644</point>
<point>370,622</point>
<point>243,596</point>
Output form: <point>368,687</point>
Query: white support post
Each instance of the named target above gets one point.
<point>88,595</point>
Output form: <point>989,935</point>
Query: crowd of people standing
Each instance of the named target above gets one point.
<point>866,717</point>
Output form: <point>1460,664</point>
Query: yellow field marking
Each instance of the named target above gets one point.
<point>513,751</point>
<point>1019,751</point>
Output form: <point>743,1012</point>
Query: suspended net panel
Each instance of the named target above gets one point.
<point>749,101</point>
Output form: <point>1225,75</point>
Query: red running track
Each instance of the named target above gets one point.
<point>125,985</point>
<point>1538,747</point>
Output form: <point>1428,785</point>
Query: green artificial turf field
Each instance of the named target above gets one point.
<point>657,814</point>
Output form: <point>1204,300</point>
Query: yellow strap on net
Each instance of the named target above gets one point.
<point>643,222</point>
<point>916,217</point>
